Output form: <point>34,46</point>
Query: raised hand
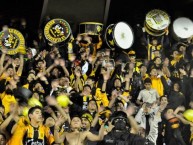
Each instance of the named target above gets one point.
<point>48,109</point>
<point>62,62</point>
<point>44,64</point>
<point>106,76</point>
<point>87,39</point>
<point>10,61</point>
<point>182,71</point>
<point>114,94</point>
<point>51,101</point>
<point>130,110</point>
<point>160,72</point>
<point>40,74</point>
<point>60,121</point>
<point>55,84</point>
<point>166,31</point>
<point>56,62</point>
<point>181,108</point>
<point>101,108</point>
<point>128,76</point>
<point>14,108</point>
<point>79,37</point>
<point>4,50</point>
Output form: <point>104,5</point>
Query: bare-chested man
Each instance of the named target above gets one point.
<point>76,137</point>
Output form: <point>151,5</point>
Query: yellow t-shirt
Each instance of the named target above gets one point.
<point>7,100</point>
<point>24,128</point>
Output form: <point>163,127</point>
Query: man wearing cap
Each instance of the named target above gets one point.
<point>86,125</point>
<point>132,56</point>
<point>86,121</point>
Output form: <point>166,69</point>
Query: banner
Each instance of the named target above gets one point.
<point>57,30</point>
<point>13,41</point>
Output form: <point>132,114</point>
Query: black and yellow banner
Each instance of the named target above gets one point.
<point>13,41</point>
<point>57,30</point>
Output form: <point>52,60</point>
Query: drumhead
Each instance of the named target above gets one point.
<point>183,27</point>
<point>157,19</point>
<point>123,35</point>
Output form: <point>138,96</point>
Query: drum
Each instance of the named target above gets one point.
<point>90,28</point>
<point>119,35</point>
<point>182,29</point>
<point>57,30</point>
<point>156,22</point>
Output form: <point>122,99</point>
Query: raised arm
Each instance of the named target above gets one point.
<point>52,101</point>
<point>105,78</point>
<point>4,52</point>
<point>6,66</point>
<point>96,118</point>
<point>20,69</point>
<point>13,114</point>
<point>133,123</point>
<point>139,98</point>
<point>92,137</point>
<point>184,121</point>
<point>59,138</point>
<point>178,109</point>
<point>127,80</point>
<point>5,124</point>
<point>113,98</point>
<point>78,81</point>
<point>62,64</point>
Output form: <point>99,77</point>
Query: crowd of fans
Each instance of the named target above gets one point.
<point>115,97</point>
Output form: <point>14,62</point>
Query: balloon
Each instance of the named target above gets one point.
<point>34,102</point>
<point>63,100</point>
<point>188,115</point>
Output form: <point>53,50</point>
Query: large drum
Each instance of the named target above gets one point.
<point>182,29</point>
<point>90,28</point>
<point>57,30</point>
<point>119,35</point>
<point>156,22</point>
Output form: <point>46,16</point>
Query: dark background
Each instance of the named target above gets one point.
<point>76,11</point>
<point>135,12</point>
<point>16,9</point>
